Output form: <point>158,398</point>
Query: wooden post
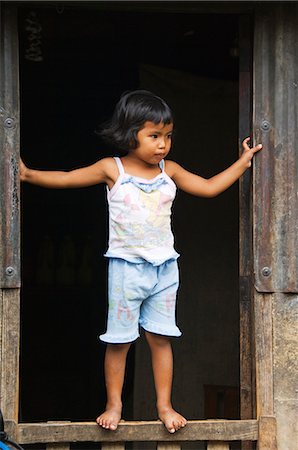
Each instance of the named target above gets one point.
<point>113,446</point>
<point>245,226</point>
<point>168,446</point>
<point>58,446</point>
<point>267,434</point>
<point>9,353</point>
<point>215,445</point>
<point>9,150</point>
<point>9,217</point>
<point>275,216</point>
<point>263,351</point>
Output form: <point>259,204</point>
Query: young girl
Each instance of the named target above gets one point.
<point>143,273</point>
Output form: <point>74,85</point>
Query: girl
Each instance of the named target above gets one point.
<point>143,273</point>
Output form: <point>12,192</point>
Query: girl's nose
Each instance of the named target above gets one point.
<point>161,143</point>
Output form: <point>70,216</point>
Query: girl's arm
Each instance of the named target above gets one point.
<point>202,187</point>
<point>100,172</point>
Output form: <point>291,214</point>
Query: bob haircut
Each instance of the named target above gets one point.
<point>131,112</point>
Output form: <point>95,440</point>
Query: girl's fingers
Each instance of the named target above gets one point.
<point>257,148</point>
<point>245,143</point>
<point>254,149</point>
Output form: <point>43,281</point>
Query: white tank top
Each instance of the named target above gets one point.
<point>140,218</point>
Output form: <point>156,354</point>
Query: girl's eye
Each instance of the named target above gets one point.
<point>154,136</point>
<point>169,136</point>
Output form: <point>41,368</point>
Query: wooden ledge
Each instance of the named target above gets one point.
<point>195,430</point>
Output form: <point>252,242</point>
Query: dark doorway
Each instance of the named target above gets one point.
<point>75,62</point>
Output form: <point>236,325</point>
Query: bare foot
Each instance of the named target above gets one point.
<point>110,418</point>
<point>172,420</point>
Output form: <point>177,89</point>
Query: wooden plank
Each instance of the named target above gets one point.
<point>212,445</point>
<point>263,354</point>
<point>9,356</point>
<point>190,7</point>
<point>267,434</point>
<point>245,227</point>
<point>275,167</point>
<point>168,446</point>
<point>11,429</point>
<point>58,446</point>
<point>9,150</point>
<point>285,351</point>
<point>196,430</point>
<point>247,379</point>
<point>113,446</point>
<point>245,116</point>
<point>246,337</point>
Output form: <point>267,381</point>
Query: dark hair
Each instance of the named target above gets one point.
<point>131,112</point>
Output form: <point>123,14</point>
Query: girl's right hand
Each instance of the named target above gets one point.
<point>103,171</point>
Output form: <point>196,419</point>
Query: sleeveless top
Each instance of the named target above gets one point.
<point>140,218</point>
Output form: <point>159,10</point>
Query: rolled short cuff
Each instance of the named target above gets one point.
<point>111,339</point>
<point>163,329</point>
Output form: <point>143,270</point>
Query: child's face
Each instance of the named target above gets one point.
<point>154,142</point>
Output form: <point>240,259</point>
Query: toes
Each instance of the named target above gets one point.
<point>177,425</point>
<point>106,424</point>
<point>173,427</point>
<point>173,421</point>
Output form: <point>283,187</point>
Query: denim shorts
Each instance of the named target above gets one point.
<point>141,294</point>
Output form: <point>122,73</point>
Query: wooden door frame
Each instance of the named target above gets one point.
<point>245,84</point>
<point>10,281</point>
<point>247,391</point>
<point>10,218</point>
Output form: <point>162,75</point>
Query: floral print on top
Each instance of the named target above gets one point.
<point>140,218</point>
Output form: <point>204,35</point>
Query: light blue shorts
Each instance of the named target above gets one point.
<point>141,294</point>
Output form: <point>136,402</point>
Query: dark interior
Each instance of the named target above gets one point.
<point>75,62</point>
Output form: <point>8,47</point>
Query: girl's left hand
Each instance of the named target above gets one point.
<point>248,153</point>
<point>22,169</point>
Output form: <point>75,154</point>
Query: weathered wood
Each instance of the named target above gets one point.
<point>201,430</point>
<point>285,351</point>
<point>263,354</point>
<point>246,384</point>
<point>113,446</point>
<point>212,445</point>
<point>193,7</point>
<point>9,150</point>
<point>276,126</point>
<point>11,428</point>
<point>245,227</point>
<point>267,434</point>
<point>59,446</point>
<point>9,356</point>
<point>247,377</point>
<point>275,218</point>
<point>245,182</point>
<point>168,446</point>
